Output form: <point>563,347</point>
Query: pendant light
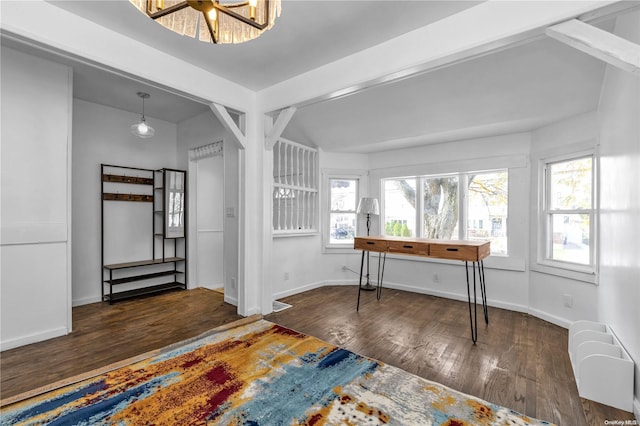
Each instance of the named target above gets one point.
<point>142,129</point>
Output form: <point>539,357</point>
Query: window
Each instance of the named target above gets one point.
<point>488,208</point>
<point>295,188</point>
<point>569,211</point>
<point>343,195</point>
<point>471,206</point>
<point>400,207</point>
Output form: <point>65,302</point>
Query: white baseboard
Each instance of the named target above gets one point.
<point>403,287</point>
<point>311,286</point>
<point>33,338</point>
<point>253,311</point>
<point>85,301</point>
<point>231,300</point>
<point>456,296</point>
<point>210,287</point>
<point>553,319</point>
<point>636,407</point>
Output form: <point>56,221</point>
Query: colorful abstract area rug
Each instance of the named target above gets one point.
<point>257,374</point>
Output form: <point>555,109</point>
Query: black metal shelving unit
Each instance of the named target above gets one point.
<point>146,272</point>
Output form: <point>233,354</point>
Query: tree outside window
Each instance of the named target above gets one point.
<point>485,213</point>
<point>440,207</point>
<point>400,207</point>
<point>488,209</point>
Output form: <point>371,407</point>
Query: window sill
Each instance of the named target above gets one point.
<point>339,248</point>
<point>287,234</point>
<point>566,271</point>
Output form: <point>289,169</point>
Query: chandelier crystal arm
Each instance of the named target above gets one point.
<point>225,21</point>
<point>212,31</point>
<point>164,12</point>
<point>244,19</point>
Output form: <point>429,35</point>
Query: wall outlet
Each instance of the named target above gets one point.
<point>286,276</point>
<point>233,282</point>
<point>567,300</point>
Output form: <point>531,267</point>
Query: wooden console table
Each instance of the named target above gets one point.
<point>466,251</point>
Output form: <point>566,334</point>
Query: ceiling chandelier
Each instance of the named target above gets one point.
<point>214,21</point>
<point>142,129</point>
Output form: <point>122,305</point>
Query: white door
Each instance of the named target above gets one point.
<point>209,222</point>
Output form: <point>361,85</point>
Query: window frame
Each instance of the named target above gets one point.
<point>332,174</point>
<point>545,213</point>
<point>463,210</point>
<point>354,211</point>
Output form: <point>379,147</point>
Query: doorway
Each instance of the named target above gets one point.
<point>209,226</point>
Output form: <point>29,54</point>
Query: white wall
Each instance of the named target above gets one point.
<point>102,135</point>
<point>619,290</point>
<point>548,286</point>
<point>36,200</point>
<point>302,258</point>
<point>202,130</point>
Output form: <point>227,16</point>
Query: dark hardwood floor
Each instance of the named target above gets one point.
<point>104,334</point>
<point>519,361</point>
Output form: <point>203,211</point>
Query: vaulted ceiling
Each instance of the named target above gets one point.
<point>517,89</point>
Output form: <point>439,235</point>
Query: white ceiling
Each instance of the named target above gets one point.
<point>515,90</point>
<point>308,34</point>
<point>511,91</point>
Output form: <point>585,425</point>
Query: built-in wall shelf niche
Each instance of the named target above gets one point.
<point>157,257</point>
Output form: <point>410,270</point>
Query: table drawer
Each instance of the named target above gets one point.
<point>417,248</point>
<point>454,252</point>
<point>370,245</point>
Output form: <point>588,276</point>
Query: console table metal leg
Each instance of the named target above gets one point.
<point>360,284</point>
<point>483,289</point>
<point>381,273</point>
<point>474,324</point>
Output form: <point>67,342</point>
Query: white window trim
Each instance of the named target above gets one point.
<point>517,166</point>
<point>463,193</point>
<point>539,262</point>
<point>327,175</point>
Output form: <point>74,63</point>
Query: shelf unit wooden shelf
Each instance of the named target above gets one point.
<point>169,260</point>
<point>125,265</point>
<point>154,289</point>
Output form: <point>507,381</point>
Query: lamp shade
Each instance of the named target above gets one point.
<point>142,129</point>
<point>368,206</point>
